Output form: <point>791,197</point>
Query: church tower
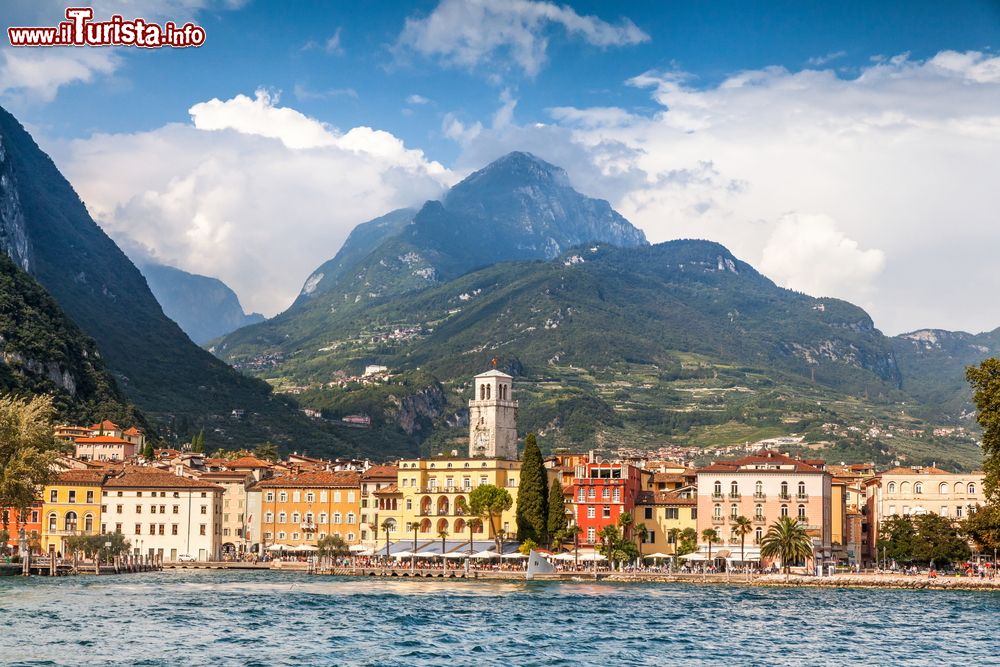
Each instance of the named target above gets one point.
<point>493,417</point>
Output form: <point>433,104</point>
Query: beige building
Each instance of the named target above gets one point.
<point>235,514</point>
<point>376,482</point>
<point>493,417</point>
<point>921,490</point>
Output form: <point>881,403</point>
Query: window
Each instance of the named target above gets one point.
<point>336,496</point>
<point>784,510</point>
<point>717,488</point>
<point>138,529</point>
<point>648,514</point>
<point>758,535</point>
<point>310,497</point>
<point>295,517</point>
<point>758,512</point>
<point>118,509</point>
<point>162,528</point>
<point>118,528</point>
<point>269,497</point>
<point>605,493</point>
<point>944,511</point>
<point>323,518</point>
<point>734,489</point>
<point>138,509</point>
<point>282,517</point>
<point>758,488</point>
<point>467,484</point>
<point>670,538</point>
<point>734,511</point>
<point>53,496</point>
<point>592,493</point>
<point>88,523</point>
<point>152,509</point>
<point>90,496</point>
<point>52,521</point>
<point>591,512</point>
<point>717,512</point>
<point>350,496</point>
<point>350,517</point>
<point>943,489</point>
<point>152,529</point>
<point>177,509</point>
<point>958,512</point>
<point>69,522</point>
<point>672,513</point>
<point>784,489</point>
<point>336,517</point>
<point>202,530</point>
<point>616,495</point>
<point>204,509</point>
<point>72,496</point>
<point>483,481</point>
<point>890,487</point>
<point>296,496</point>
<point>591,535</point>
<point>802,489</point>
<point>972,488</point>
<point>409,504</point>
<point>918,487</point>
<point>892,510</point>
<point>295,536</point>
<point>606,512</point>
<point>283,497</point>
<point>173,529</point>
<point>802,512</point>
<point>282,534</point>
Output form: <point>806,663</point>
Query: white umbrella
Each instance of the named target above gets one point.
<point>304,547</point>
<point>694,556</point>
<point>277,547</point>
<point>592,557</point>
<point>514,556</point>
<point>658,555</point>
<point>358,547</point>
<point>366,552</point>
<point>485,554</point>
<point>566,556</point>
<point>455,554</point>
<point>403,554</point>
<point>426,554</point>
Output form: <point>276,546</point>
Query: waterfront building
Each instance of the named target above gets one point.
<point>856,531</point>
<point>662,513</point>
<point>71,505</point>
<point>601,493</point>
<point>30,520</point>
<point>164,515</point>
<point>303,508</point>
<point>236,518</point>
<point>375,479</point>
<point>920,490</point>
<point>764,487</point>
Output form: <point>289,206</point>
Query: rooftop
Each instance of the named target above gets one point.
<point>317,479</point>
<point>762,462</point>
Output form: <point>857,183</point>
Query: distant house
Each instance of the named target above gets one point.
<point>105,441</point>
<point>363,421</point>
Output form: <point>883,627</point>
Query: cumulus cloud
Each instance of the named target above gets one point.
<point>248,191</point>
<point>902,155</point>
<point>470,33</point>
<point>810,254</point>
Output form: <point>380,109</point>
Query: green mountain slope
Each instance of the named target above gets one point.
<point>46,229</point>
<point>43,352</point>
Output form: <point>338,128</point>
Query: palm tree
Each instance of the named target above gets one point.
<point>574,532</point>
<point>640,534</point>
<point>443,534</point>
<point>742,527</point>
<point>387,525</point>
<point>609,536</point>
<point>711,536</point>
<point>413,558</point>
<point>788,540</point>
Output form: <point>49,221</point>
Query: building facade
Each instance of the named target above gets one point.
<point>236,518</point>
<point>71,505</point>
<point>304,508</point>
<point>665,514</point>
<point>601,493</point>
<point>164,515</point>
<point>764,487</point>
<point>493,417</point>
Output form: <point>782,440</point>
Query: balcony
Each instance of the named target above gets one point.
<point>759,496</point>
<point>717,519</point>
<point>784,496</point>
<point>759,519</point>
<point>308,527</point>
<point>802,496</point>
<point>718,496</point>
<point>734,496</point>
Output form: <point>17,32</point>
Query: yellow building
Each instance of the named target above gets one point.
<point>661,512</point>
<point>306,507</point>
<point>71,506</point>
<point>431,491</point>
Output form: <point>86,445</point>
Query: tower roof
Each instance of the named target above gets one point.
<point>494,373</point>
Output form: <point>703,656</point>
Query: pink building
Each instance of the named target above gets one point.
<point>763,487</point>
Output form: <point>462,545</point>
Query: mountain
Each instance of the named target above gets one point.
<point>43,351</point>
<point>47,231</point>
<point>933,363</point>
<point>203,307</point>
<point>612,341</point>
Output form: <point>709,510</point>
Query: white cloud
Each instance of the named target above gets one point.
<point>469,33</point>
<point>810,254</point>
<point>416,99</point>
<point>254,193</point>
<point>903,156</point>
<point>330,45</point>
<point>824,59</point>
<point>303,92</point>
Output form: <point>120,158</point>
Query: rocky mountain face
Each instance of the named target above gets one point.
<point>204,308</point>
<point>43,351</point>
<point>47,230</point>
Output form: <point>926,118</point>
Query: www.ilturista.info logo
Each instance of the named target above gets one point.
<point>79,29</point>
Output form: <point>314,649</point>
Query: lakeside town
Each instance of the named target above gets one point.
<point>760,512</point>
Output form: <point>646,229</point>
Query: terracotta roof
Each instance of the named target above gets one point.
<point>249,462</point>
<point>154,478</point>
<point>319,479</point>
<point>663,498</point>
<point>387,490</point>
<point>81,477</point>
<point>668,477</point>
<point>380,472</point>
<point>106,425</point>
<point>101,440</point>
<point>762,458</point>
<point>929,470</point>
<point>216,462</point>
<point>225,475</point>
<point>133,431</point>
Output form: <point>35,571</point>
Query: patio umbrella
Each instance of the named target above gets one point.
<point>357,547</point>
<point>304,547</point>
<point>455,555</point>
<point>485,554</point>
<point>403,554</point>
<point>277,547</point>
<point>515,556</point>
<point>426,554</point>
<point>592,557</point>
<point>565,556</point>
<point>658,555</point>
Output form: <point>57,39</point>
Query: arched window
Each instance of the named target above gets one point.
<point>943,489</point>
<point>802,512</point>
<point>482,392</point>
<point>488,390</point>
<point>52,522</point>
<point>758,489</point>
<point>918,487</point>
<point>69,523</point>
<point>784,510</point>
<point>717,512</point>
<point>734,510</point>
<point>904,488</point>
<point>734,489</point>
<point>758,535</point>
<point>891,487</point>
<point>802,489</point>
<point>784,489</point>
<point>758,512</point>
<point>88,523</point>
<point>717,488</point>
<point>972,488</point>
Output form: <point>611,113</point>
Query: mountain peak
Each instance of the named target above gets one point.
<point>513,170</point>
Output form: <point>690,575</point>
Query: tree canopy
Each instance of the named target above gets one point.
<point>532,495</point>
<point>488,502</point>
<point>557,510</point>
<point>985,380</point>
<point>27,449</point>
<point>923,538</point>
<point>787,541</point>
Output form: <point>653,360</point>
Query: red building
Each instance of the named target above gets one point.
<point>31,521</point>
<point>601,493</point>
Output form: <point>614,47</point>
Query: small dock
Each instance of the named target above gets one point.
<point>47,566</point>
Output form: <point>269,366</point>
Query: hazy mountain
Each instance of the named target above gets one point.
<point>204,307</point>
<point>47,230</point>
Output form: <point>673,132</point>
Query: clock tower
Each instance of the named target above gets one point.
<point>492,417</point>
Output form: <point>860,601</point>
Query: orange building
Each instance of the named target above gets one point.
<point>306,507</point>
<point>31,520</point>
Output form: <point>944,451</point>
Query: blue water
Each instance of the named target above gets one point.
<point>271,618</point>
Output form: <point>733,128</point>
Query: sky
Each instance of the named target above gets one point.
<point>846,150</point>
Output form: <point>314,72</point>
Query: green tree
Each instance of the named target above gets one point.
<point>532,495</point>
<point>985,379</point>
<point>267,451</point>
<point>27,450</point>
<point>332,546</point>
<point>527,546</point>
<point>198,442</point>
<point>982,526</point>
<point>742,527</point>
<point>710,535</point>
<point>688,542</point>
<point>387,526</point>
<point>938,540</point>
<point>488,502</point>
<point>148,452</point>
<point>897,538</point>
<point>557,511</point>
<point>788,541</point>
<point>103,546</point>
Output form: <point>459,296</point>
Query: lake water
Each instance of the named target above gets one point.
<point>271,618</point>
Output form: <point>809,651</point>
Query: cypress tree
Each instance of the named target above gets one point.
<point>557,509</point>
<point>532,495</point>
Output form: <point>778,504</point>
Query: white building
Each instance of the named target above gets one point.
<point>492,417</point>
<point>164,515</point>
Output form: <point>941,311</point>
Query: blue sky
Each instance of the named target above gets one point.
<point>843,148</point>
